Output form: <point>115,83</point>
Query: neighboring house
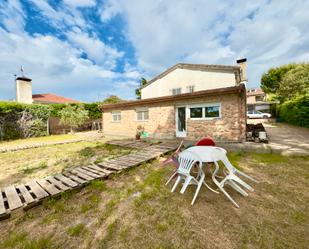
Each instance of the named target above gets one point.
<point>187,78</point>
<point>49,98</point>
<point>24,94</point>
<point>216,107</point>
<point>257,100</point>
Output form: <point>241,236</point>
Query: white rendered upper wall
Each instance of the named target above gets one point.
<point>183,78</point>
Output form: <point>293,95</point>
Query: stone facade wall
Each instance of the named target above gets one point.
<point>161,124</point>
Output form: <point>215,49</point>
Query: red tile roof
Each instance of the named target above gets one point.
<point>50,98</point>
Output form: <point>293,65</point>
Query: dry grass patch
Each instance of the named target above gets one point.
<point>23,165</point>
<point>136,210</point>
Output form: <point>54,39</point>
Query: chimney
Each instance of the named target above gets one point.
<point>23,90</point>
<point>243,70</point>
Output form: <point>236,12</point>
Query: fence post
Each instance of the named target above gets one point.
<point>47,126</point>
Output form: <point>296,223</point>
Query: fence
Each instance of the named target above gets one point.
<point>54,126</point>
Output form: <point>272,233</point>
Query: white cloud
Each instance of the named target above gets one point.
<point>62,17</point>
<point>109,9</point>
<point>53,65</point>
<point>96,50</point>
<point>12,16</point>
<point>80,3</point>
<point>268,33</point>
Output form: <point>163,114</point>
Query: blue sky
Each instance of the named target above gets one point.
<point>87,49</point>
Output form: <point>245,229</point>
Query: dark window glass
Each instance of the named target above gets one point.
<point>212,112</point>
<point>196,112</point>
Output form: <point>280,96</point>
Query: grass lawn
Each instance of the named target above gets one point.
<point>23,165</point>
<point>136,210</point>
<point>51,138</point>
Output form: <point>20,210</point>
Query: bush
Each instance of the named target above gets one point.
<point>296,111</point>
<point>27,120</point>
<point>74,116</point>
<point>10,131</point>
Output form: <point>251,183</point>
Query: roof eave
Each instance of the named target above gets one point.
<point>171,98</point>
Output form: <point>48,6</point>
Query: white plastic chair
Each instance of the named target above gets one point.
<point>186,161</point>
<point>231,178</point>
<point>173,160</point>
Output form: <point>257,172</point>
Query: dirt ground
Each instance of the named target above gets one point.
<point>136,210</point>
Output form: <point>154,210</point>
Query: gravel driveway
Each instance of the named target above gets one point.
<point>290,139</point>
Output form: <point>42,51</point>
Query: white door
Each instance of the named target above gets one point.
<point>181,121</point>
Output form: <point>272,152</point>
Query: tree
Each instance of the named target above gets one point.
<point>73,116</point>
<point>271,80</point>
<point>112,99</point>
<point>294,83</point>
<point>138,90</point>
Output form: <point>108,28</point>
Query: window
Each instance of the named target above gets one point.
<point>142,114</point>
<point>212,112</point>
<point>196,112</point>
<point>206,111</point>
<point>258,98</point>
<point>190,89</point>
<point>176,91</point>
<point>116,116</point>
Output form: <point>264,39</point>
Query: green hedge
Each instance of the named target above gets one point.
<point>296,111</point>
<point>92,108</point>
<point>11,112</point>
<point>44,111</point>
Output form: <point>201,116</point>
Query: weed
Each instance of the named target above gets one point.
<point>77,230</point>
<point>44,242</point>
<point>30,170</point>
<point>91,203</point>
<point>110,233</point>
<point>13,240</point>
<point>87,152</point>
<point>123,233</point>
<point>97,185</point>
<point>299,217</point>
<point>58,206</point>
<point>161,227</point>
<point>234,158</point>
<point>269,158</point>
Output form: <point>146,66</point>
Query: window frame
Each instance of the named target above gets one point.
<point>117,114</point>
<point>143,111</point>
<point>190,87</point>
<point>204,112</point>
<point>177,88</point>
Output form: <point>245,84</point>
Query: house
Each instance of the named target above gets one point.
<point>50,98</point>
<point>257,100</point>
<point>24,94</point>
<point>216,107</point>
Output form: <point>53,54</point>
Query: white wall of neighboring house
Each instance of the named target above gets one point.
<point>183,78</point>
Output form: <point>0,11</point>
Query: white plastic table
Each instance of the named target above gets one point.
<point>204,152</point>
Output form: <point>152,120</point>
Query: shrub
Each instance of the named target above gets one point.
<point>27,120</point>
<point>296,111</point>
<point>74,116</point>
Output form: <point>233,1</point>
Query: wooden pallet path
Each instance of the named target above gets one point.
<point>25,196</point>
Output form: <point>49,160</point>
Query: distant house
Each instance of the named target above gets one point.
<point>189,101</point>
<point>49,98</point>
<point>257,100</point>
<point>24,94</point>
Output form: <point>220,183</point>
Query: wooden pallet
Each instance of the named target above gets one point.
<point>25,196</point>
